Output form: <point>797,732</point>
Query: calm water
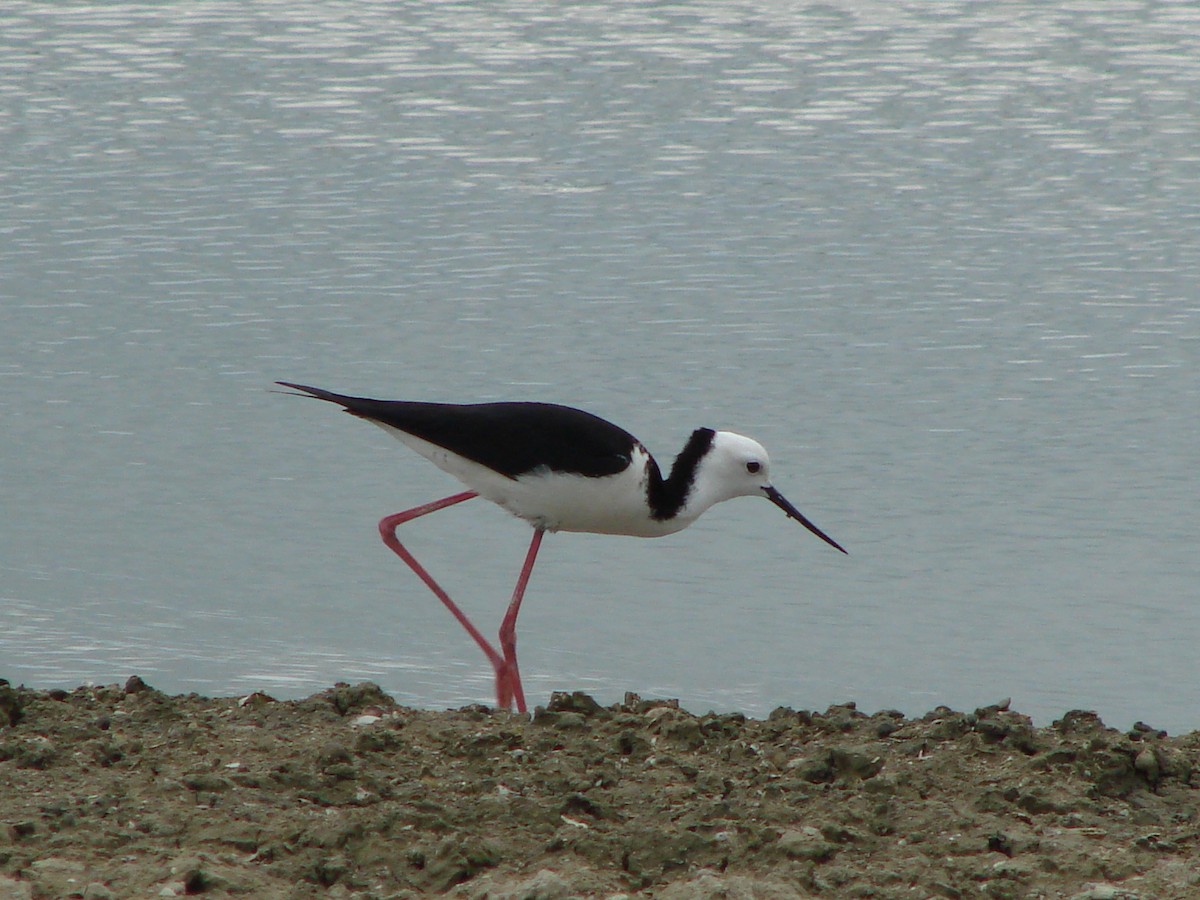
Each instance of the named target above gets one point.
<point>941,258</point>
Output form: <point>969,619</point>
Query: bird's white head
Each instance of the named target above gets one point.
<point>735,466</point>
<point>738,466</point>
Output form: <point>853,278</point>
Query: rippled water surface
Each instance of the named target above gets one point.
<point>941,258</point>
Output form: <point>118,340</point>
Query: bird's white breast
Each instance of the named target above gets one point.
<point>559,501</point>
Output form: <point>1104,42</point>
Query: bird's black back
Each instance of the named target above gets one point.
<point>511,438</point>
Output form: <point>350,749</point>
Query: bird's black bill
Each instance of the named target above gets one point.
<point>781,501</point>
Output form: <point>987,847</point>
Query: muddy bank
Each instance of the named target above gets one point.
<point>123,791</point>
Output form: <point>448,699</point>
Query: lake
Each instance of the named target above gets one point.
<point>940,259</point>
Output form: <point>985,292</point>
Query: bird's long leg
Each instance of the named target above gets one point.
<point>508,628</point>
<point>387,530</point>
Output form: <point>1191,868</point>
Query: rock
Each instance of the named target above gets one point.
<point>709,885</point>
<point>574,702</point>
<point>785,715</point>
<point>11,704</point>
<point>852,763</point>
<point>1039,801</point>
<point>332,753</point>
<point>1015,869</point>
<point>1000,843</point>
<point>1079,721</point>
<point>814,769</point>
<point>1104,892</point>
<point>1146,762</point>
<point>457,860</point>
<point>255,700</point>
<point>193,873</point>
<point>569,720</point>
<point>575,805</point>
<point>1141,730</point>
<point>206,782</point>
<point>37,752</point>
<point>347,698</point>
<point>11,889</point>
<point>676,726</point>
<point>55,876</point>
<point>545,885</point>
<point>946,724</point>
<point>806,843</point>
<point>631,743</point>
<point>18,831</point>
<point>135,685</point>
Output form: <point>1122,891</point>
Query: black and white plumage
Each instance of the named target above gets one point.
<point>562,469</point>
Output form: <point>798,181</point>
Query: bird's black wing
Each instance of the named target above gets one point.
<point>511,438</point>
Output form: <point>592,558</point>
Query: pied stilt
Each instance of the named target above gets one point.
<point>560,469</point>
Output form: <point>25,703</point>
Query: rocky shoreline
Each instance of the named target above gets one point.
<point>123,791</point>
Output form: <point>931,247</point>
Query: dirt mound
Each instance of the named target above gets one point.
<point>113,792</point>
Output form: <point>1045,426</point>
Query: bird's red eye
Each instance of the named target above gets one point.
<point>753,467</point>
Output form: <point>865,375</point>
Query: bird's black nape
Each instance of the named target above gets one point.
<point>668,496</point>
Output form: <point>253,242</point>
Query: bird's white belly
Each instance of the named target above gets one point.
<point>611,504</point>
<point>557,501</point>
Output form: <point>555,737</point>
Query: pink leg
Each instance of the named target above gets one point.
<point>508,628</point>
<point>505,691</point>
